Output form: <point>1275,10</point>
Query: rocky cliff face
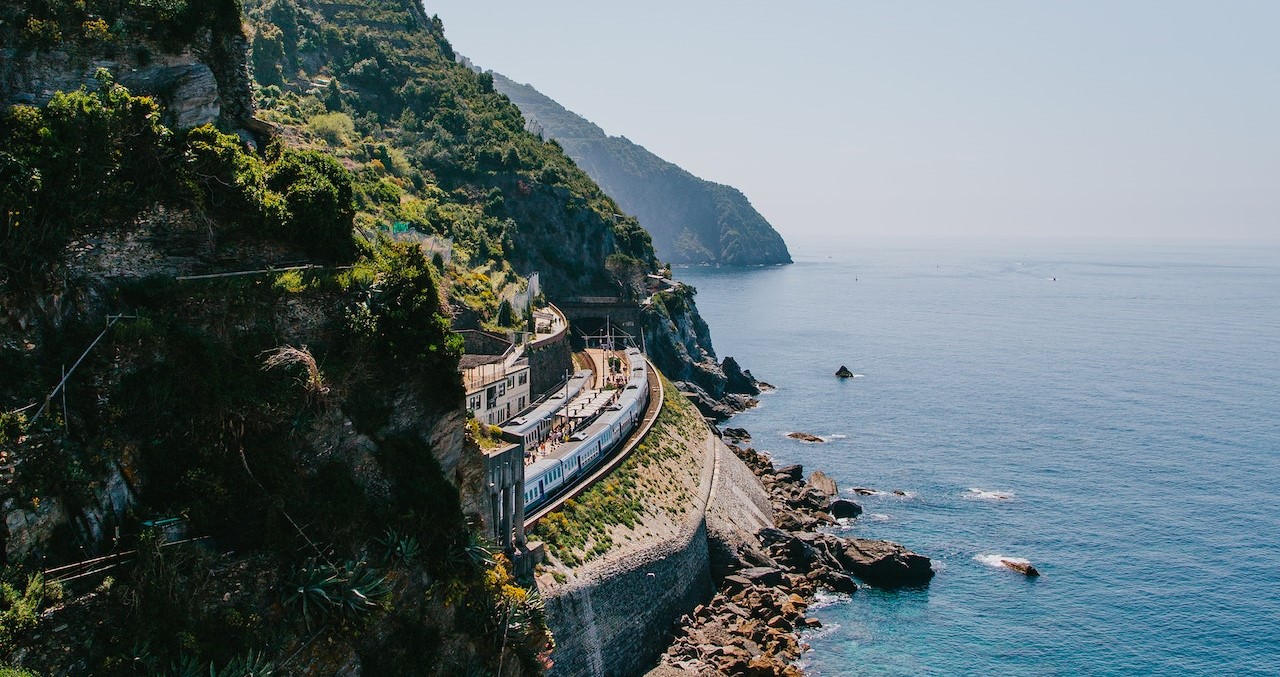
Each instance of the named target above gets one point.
<point>205,80</point>
<point>691,220</point>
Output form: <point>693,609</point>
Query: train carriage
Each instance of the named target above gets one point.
<point>590,445</point>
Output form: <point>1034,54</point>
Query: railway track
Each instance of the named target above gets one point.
<point>612,463</point>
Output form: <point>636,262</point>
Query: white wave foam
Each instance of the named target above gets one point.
<point>834,436</point>
<point>985,495</point>
<point>1000,561</point>
<point>825,598</point>
<point>876,517</point>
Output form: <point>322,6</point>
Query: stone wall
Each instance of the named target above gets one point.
<point>549,361</point>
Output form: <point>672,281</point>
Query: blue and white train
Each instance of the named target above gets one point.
<point>530,428</point>
<point>549,476</point>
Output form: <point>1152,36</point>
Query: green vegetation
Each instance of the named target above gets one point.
<point>173,24</point>
<point>20,604</point>
<point>436,153</point>
<point>691,220</point>
<point>108,149</point>
<point>284,414</point>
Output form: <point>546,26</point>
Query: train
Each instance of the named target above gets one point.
<point>599,439</point>
<point>532,427</point>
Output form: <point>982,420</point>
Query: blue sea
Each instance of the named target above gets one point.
<point>1110,412</point>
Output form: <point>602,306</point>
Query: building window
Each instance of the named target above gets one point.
<point>473,402</point>
<point>524,377</point>
<point>502,389</point>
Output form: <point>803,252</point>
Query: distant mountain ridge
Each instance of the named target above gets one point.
<point>691,220</point>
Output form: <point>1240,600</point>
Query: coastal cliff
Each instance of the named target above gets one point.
<point>231,425</point>
<point>692,220</point>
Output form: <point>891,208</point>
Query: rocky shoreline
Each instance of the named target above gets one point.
<point>753,623</point>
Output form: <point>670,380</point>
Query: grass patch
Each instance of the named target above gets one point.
<point>583,529</point>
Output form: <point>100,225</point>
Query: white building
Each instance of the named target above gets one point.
<point>497,384</point>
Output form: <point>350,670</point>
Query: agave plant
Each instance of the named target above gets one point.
<point>321,589</point>
<point>362,589</point>
<point>248,665</point>
<point>530,610</point>
<point>187,666</point>
<point>313,589</point>
<point>472,554</point>
<point>399,548</point>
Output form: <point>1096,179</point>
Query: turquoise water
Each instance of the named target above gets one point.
<point>1124,399</point>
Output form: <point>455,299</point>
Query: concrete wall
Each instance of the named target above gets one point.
<point>622,622</point>
<point>616,618</point>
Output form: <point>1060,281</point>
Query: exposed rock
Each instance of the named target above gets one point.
<point>841,508</point>
<point>820,481</point>
<point>706,404</point>
<point>739,402</point>
<point>864,491</point>
<point>762,575</point>
<point>806,437</point>
<point>843,372</point>
<point>884,563</point>
<point>736,380</point>
<point>793,472</point>
<point>1024,568</point>
<point>737,434</point>
<point>838,582</point>
<point>188,91</point>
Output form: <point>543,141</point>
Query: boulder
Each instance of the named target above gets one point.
<point>788,520</point>
<point>843,372</point>
<point>737,380</point>
<point>806,437</point>
<point>737,434</point>
<point>706,404</point>
<point>820,481</point>
<point>884,563</point>
<point>770,535</point>
<point>813,499</point>
<point>793,472</point>
<point>739,402</point>
<point>864,491</point>
<point>844,508</point>
<point>838,582</point>
<point>1024,568</point>
<point>762,575</point>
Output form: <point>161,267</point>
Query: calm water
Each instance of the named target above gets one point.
<point>1124,399</point>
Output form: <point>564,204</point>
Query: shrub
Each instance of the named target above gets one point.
<point>318,201</point>
<point>335,128</point>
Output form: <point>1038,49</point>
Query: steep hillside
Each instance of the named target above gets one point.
<point>691,220</point>
<point>222,390</point>
<point>227,281</point>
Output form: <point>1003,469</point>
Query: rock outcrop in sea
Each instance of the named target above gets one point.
<point>753,623</point>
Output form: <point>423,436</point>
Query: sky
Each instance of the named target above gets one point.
<point>848,119</point>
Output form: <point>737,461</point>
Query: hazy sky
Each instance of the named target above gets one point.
<point>897,118</point>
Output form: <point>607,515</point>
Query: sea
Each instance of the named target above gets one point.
<point>1108,411</point>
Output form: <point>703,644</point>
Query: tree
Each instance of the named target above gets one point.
<point>318,199</point>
